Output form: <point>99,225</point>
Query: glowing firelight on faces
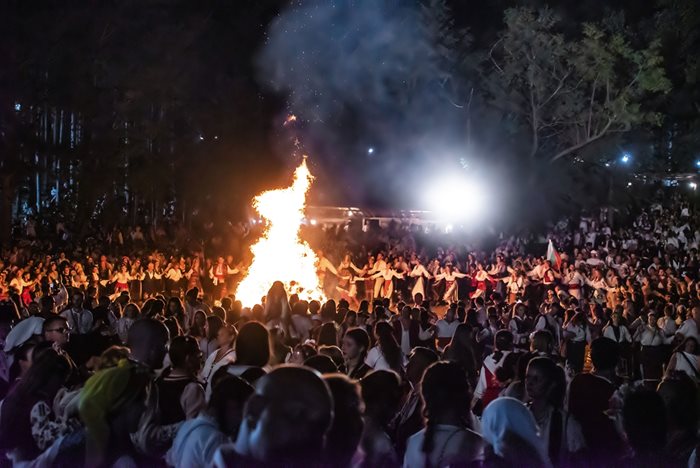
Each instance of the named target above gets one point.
<point>280,254</point>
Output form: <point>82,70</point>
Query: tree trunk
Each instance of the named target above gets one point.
<point>7,192</point>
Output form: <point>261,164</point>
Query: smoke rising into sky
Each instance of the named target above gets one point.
<point>360,73</point>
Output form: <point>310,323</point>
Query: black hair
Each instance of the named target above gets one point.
<point>644,420</point>
<point>604,353</point>
<point>388,345</point>
<point>181,348</point>
<point>556,378</point>
<point>214,324</point>
<point>328,334</point>
<point>381,392</point>
<point>253,345</point>
<point>322,363</point>
<point>361,337</point>
<point>346,430</point>
<point>51,321</point>
<point>503,341</point>
<point>444,389</point>
<point>226,389</point>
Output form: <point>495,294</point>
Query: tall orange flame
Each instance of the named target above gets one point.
<point>280,254</point>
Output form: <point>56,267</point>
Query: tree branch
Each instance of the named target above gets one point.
<point>491,55</point>
<point>590,107</point>
<point>533,117</point>
<point>580,145</point>
<point>556,91</point>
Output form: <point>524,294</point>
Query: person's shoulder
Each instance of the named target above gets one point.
<point>415,442</point>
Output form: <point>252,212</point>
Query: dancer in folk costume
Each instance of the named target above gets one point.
<point>349,292</point>
<point>324,265</point>
<point>386,276</point>
<point>450,275</point>
<point>195,273</point>
<point>498,271</point>
<point>379,266</point>
<point>574,281</point>
<point>151,282</point>
<point>421,277</point>
<point>105,272</point>
<point>121,280</point>
<point>135,285</point>
<point>173,276</point>
<point>218,274</point>
<point>483,281</point>
<point>366,284</point>
<point>549,275</point>
<point>346,282</point>
<point>515,283</point>
<point>435,287</point>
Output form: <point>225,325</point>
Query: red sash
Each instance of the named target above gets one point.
<point>493,389</point>
<point>387,285</point>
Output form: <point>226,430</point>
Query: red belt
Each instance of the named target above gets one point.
<point>574,286</point>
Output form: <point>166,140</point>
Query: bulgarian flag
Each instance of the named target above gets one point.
<point>553,256</point>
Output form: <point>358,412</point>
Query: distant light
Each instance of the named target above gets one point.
<point>629,184</point>
<point>216,137</point>
<point>201,137</point>
<point>693,185</point>
<point>607,164</point>
<point>18,106</point>
<point>350,213</point>
<point>454,198</point>
<point>370,150</point>
<point>313,222</point>
<point>626,157</point>
<point>449,228</point>
<point>697,163</point>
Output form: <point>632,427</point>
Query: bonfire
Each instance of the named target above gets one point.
<point>280,254</point>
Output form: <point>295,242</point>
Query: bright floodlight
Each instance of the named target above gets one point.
<point>370,150</point>
<point>457,199</point>
<point>693,185</point>
<point>697,163</point>
<point>626,158</point>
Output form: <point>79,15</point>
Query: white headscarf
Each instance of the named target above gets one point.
<point>507,415</point>
<point>22,332</point>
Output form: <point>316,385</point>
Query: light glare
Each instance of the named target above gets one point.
<point>456,199</point>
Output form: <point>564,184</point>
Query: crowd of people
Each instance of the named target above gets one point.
<point>418,356</point>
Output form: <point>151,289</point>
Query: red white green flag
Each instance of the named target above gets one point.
<point>553,256</point>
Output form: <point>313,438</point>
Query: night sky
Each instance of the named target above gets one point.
<point>361,76</point>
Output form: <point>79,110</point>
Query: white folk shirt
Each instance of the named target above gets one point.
<point>174,274</point>
<point>651,337</point>
<point>446,329</point>
<point>387,275</point>
<point>218,273</point>
<point>580,333</point>
<point>515,285</point>
<point>418,271</point>
<point>667,325</point>
<point>450,277</point>
<point>689,328</point>
<point>623,332</point>
<point>80,321</point>
<point>325,265</point>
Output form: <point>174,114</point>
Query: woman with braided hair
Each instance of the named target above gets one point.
<point>447,439</point>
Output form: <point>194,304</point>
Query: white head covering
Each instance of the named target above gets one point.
<point>22,332</point>
<point>507,415</point>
